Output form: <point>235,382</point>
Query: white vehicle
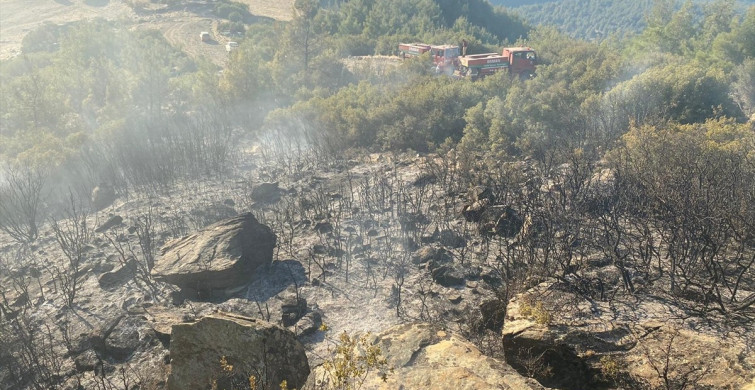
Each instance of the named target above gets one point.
<point>230,46</point>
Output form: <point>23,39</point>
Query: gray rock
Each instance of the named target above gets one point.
<point>479,193</point>
<point>266,193</point>
<point>451,239</point>
<point>448,276</point>
<point>129,335</point>
<point>292,310</point>
<point>323,227</point>
<point>473,212</point>
<point>309,324</point>
<point>119,277</point>
<point>252,347</point>
<point>431,255</point>
<point>221,256</point>
<point>110,223</point>
<point>421,357</point>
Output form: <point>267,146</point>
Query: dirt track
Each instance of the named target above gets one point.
<point>18,17</point>
<point>181,27</point>
<point>182,30</point>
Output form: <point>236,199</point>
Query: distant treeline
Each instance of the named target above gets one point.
<point>596,19</point>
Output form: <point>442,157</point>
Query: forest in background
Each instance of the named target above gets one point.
<point>95,98</point>
<point>594,19</point>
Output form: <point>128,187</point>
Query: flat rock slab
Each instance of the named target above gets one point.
<point>221,256</point>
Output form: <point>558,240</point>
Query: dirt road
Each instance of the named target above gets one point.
<point>18,17</point>
<point>181,27</point>
<point>182,30</point>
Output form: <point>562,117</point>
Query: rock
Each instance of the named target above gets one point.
<point>501,220</point>
<point>252,347</point>
<point>582,334</point>
<point>323,227</point>
<point>116,339</point>
<point>87,361</point>
<point>451,239</point>
<point>95,340</point>
<point>422,357</point>
<point>119,277</point>
<point>431,255</point>
<point>474,211</point>
<point>266,193</point>
<point>292,309</point>
<point>508,223</point>
<point>110,223</point>
<point>412,221</point>
<point>129,335</point>
<point>448,276</point>
<point>222,256</point>
<point>480,193</point>
<point>309,324</point>
<point>103,196</point>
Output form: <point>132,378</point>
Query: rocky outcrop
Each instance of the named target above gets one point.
<point>570,342</point>
<point>251,347</point>
<point>422,357</point>
<point>222,256</point>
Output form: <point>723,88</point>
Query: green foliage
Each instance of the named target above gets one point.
<point>382,25</point>
<point>686,92</point>
<point>233,11</point>
<point>593,19</point>
<point>353,359</point>
<point>602,19</point>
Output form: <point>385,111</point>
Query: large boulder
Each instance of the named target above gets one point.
<point>422,357</point>
<point>222,256</point>
<point>571,342</point>
<point>248,347</point>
